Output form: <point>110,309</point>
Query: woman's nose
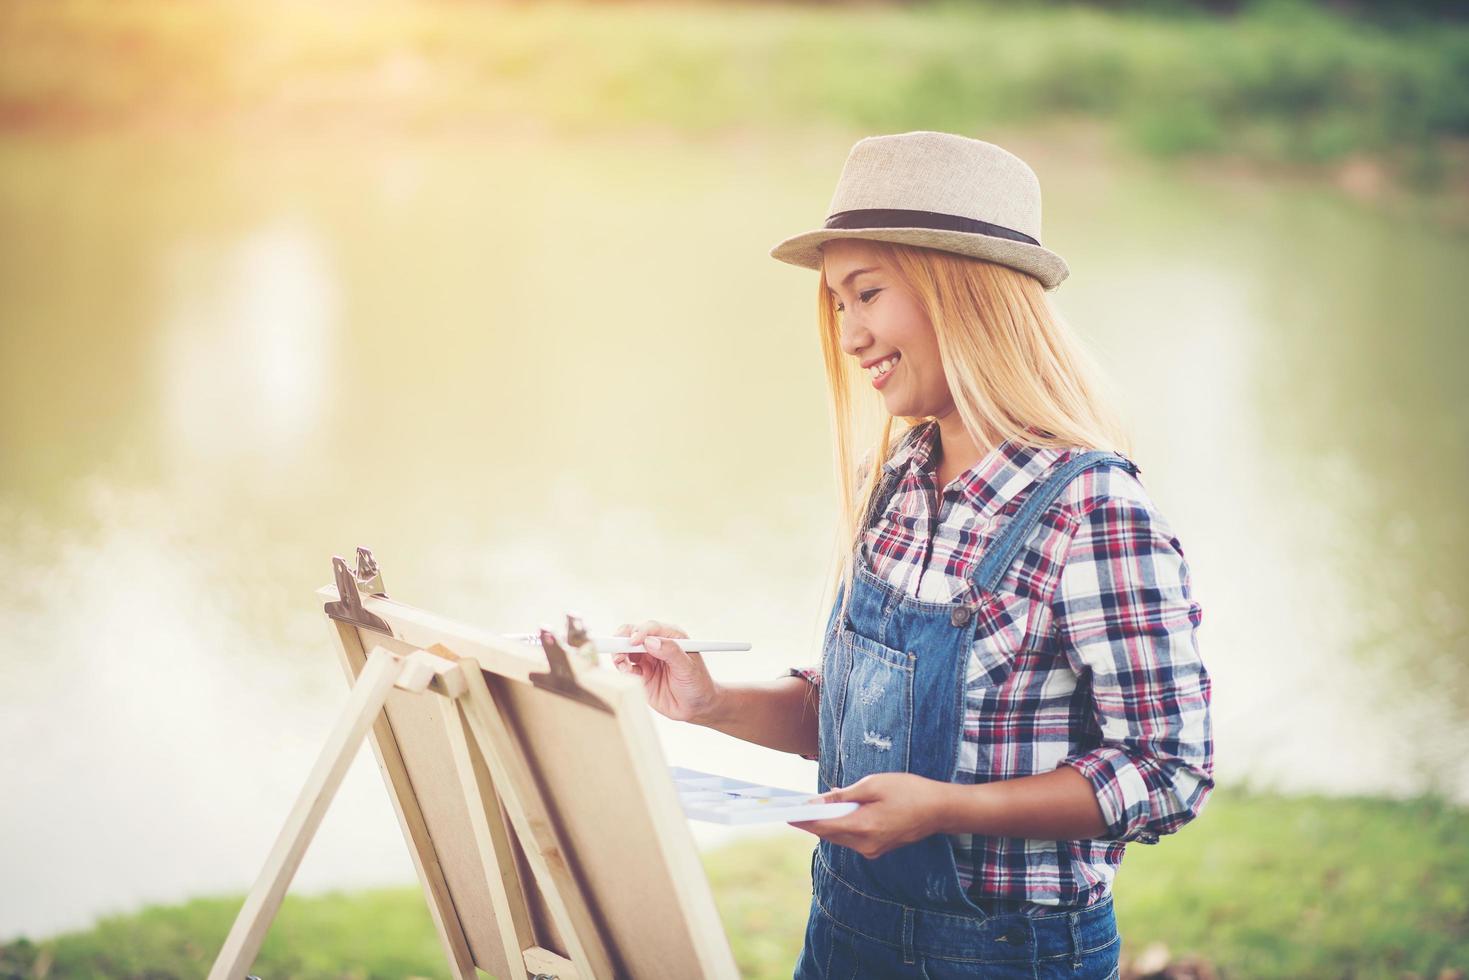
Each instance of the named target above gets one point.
<point>854,338</point>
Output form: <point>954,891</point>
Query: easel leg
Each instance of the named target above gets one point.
<point>536,828</point>
<point>352,655</point>
<point>367,699</point>
<point>494,844</point>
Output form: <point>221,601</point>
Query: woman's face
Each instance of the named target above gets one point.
<point>880,318</point>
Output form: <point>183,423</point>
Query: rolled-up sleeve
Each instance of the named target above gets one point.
<point>1125,616</point>
<point>812,676</point>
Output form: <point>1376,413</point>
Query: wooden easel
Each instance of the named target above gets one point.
<point>534,796</point>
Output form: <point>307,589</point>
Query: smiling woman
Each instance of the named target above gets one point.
<point>1010,683</point>
<point>967,342</point>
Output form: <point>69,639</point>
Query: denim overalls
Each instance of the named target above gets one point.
<point>892,700</point>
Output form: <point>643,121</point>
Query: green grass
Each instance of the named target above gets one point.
<point>1281,82</point>
<point>1259,886</point>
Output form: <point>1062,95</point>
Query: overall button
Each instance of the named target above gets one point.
<point>961,616</point>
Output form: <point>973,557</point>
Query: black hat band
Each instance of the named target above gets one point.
<point>904,218</point>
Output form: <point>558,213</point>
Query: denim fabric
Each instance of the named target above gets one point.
<point>892,701</point>
<point>884,939</point>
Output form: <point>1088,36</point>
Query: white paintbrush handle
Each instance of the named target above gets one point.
<point>620,644</point>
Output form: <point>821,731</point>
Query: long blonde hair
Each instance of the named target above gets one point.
<point>1015,369</point>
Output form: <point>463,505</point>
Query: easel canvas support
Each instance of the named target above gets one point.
<point>536,803</point>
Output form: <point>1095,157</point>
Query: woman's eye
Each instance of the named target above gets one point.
<point>863,296</point>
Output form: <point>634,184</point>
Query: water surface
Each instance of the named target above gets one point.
<point>546,373</point>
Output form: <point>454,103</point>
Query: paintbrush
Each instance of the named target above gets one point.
<point>620,644</point>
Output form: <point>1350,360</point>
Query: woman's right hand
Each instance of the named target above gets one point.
<point>677,683</point>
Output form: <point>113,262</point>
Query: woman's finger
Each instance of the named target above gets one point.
<point>669,651</point>
<point>659,648</point>
<point>644,628</point>
<point>654,627</point>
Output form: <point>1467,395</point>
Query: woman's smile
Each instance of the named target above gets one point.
<point>883,370</point>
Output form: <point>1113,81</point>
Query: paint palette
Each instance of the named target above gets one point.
<point>720,799</point>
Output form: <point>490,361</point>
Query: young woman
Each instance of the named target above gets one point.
<point>1010,683</point>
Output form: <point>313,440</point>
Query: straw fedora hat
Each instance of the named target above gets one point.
<point>937,190</point>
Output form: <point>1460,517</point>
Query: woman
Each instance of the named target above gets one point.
<point>1010,684</point>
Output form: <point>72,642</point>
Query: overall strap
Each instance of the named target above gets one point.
<point>998,557</point>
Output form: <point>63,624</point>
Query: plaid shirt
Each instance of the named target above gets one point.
<point>1086,656</point>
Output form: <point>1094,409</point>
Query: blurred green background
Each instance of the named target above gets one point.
<point>485,287</point>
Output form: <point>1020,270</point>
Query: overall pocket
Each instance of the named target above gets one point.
<point>876,723</point>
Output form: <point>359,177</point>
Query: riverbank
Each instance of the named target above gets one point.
<point>1259,886</point>
<point>1282,84</point>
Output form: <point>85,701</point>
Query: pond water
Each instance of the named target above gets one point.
<point>541,373</point>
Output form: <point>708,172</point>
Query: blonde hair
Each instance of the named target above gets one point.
<point>1015,369</point>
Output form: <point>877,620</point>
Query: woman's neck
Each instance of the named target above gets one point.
<point>957,450</point>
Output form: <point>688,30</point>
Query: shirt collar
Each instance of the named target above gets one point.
<point>1004,472</point>
<point>917,451</point>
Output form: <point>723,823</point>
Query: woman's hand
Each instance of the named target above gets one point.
<point>897,808</point>
<point>677,683</point>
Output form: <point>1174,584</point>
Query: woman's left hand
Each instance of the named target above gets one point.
<point>897,808</point>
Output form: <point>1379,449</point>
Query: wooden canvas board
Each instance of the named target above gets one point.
<point>603,816</point>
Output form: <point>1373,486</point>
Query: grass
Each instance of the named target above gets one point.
<point>1259,886</point>
<point>1288,82</point>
